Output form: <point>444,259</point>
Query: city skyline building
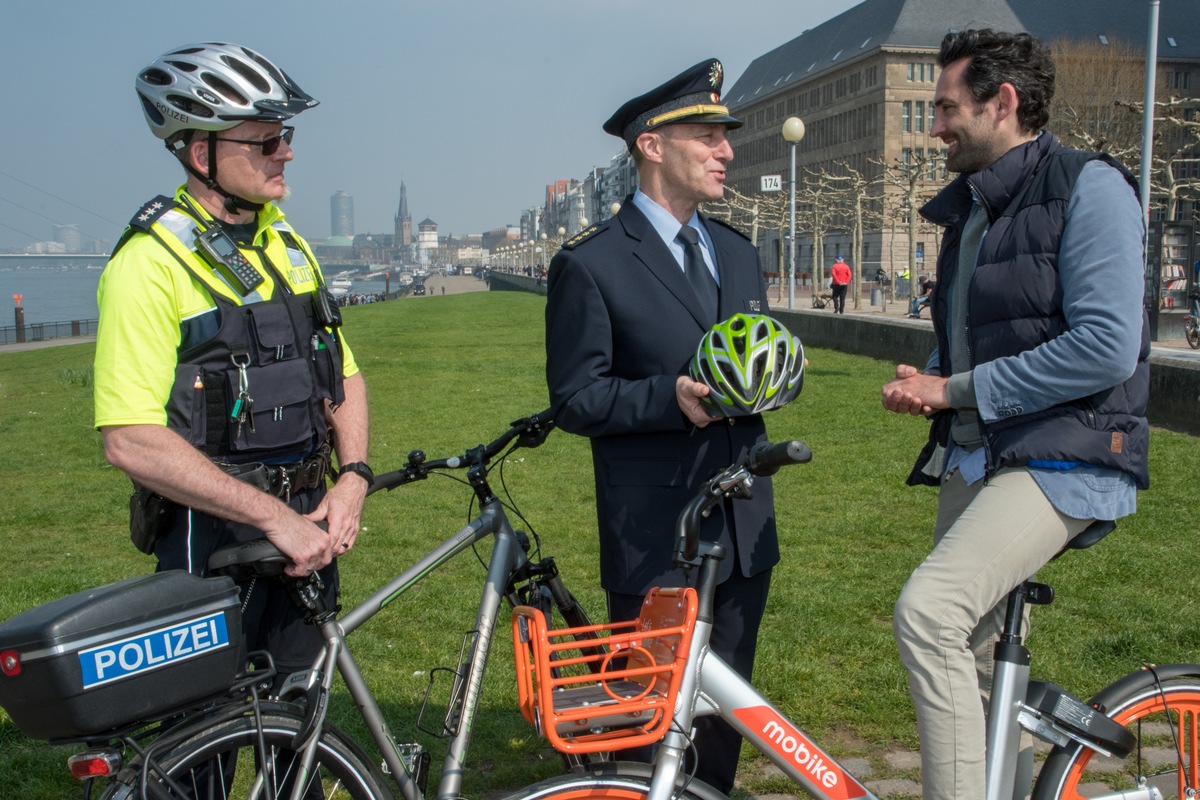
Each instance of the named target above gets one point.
<point>69,237</point>
<point>427,240</point>
<point>341,214</point>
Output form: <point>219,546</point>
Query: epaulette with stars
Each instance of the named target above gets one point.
<point>149,213</point>
<point>727,225</point>
<point>585,234</point>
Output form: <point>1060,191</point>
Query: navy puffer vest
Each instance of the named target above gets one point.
<point>1015,304</point>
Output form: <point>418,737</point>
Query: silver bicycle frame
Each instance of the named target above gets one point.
<point>717,689</point>
<point>507,555</point>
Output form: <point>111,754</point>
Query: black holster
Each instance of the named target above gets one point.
<point>150,515</point>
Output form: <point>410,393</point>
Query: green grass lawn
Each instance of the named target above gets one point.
<point>447,373</point>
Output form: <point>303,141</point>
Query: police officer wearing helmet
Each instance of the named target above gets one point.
<point>222,381</point>
<point>629,301</point>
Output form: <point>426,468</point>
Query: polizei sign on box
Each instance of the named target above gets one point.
<point>147,651</point>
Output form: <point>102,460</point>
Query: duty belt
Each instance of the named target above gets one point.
<point>281,480</point>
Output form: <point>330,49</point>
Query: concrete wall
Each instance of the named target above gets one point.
<point>506,282</point>
<point>1174,383</point>
<point>877,337</point>
<point>1175,394</point>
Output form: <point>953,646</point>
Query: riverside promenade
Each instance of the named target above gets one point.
<point>435,286</point>
<point>880,331</point>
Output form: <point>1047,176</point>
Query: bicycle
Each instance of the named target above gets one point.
<point>1191,331</point>
<point>657,676</point>
<point>285,736</point>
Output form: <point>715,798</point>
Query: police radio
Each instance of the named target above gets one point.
<point>221,252</point>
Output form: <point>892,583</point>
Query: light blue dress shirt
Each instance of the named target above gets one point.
<point>668,228</point>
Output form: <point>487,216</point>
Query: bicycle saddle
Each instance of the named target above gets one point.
<point>242,562</point>
<point>1091,534</point>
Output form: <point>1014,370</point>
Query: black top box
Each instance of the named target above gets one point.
<point>131,651</point>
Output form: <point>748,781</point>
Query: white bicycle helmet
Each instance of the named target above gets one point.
<point>213,87</point>
<point>750,363</point>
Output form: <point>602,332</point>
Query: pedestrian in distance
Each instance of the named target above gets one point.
<point>925,289</point>
<point>1038,403</point>
<point>222,380</point>
<point>839,282</point>
<point>629,301</point>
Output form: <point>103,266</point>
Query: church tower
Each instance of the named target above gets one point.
<point>403,220</point>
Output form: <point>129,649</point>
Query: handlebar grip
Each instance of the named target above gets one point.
<point>543,417</point>
<point>767,459</point>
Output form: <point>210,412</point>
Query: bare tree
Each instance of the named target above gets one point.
<point>768,211</point>
<point>914,181</point>
<point>820,205</point>
<point>1098,106</point>
<point>854,187</point>
<point>1093,82</point>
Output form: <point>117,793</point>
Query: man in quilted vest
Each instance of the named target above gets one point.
<point>1037,389</point>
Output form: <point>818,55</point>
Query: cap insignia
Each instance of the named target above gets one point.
<point>714,74</point>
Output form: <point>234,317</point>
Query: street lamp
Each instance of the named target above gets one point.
<point>614,208</point>
<point>543,248</point>
<point>793,132</point>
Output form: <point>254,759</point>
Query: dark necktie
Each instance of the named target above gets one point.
<point>697,272</point>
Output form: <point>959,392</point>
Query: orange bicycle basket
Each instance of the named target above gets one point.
<point>604,687</point>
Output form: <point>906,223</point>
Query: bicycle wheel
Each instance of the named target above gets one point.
<point>614,780</point>
<point>1191,332</point>
<point>1162,714</point>
<point>223,761</point>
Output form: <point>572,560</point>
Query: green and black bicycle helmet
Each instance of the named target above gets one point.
<point>750,363</point>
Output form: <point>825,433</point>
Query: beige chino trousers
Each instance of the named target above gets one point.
<point>989,537</point>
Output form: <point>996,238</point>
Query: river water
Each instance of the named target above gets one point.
<point>57,294</point>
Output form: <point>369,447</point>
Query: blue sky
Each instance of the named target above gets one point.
<point>476,105</point>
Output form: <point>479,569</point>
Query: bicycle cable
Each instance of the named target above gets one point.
<point>1174,736</point>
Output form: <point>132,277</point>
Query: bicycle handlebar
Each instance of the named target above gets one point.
<point>764,459</point>
<point>767,459</point>
<point>262,558</point>
<point>529,432</point>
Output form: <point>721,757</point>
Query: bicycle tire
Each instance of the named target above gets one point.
<point>612,780</point>
<point>1151,708</point>
<point>341,768</point>
<point>1191,332</point>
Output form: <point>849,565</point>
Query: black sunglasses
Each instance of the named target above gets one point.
<point>269,145</point>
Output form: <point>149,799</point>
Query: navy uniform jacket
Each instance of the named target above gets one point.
<point>622,323</point>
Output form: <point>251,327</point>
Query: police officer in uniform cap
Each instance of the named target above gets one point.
<point>629,300</point>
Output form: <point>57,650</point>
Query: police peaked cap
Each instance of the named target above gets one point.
<point>693,95</point>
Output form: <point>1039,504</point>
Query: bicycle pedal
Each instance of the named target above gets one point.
<point>1084,721</point>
